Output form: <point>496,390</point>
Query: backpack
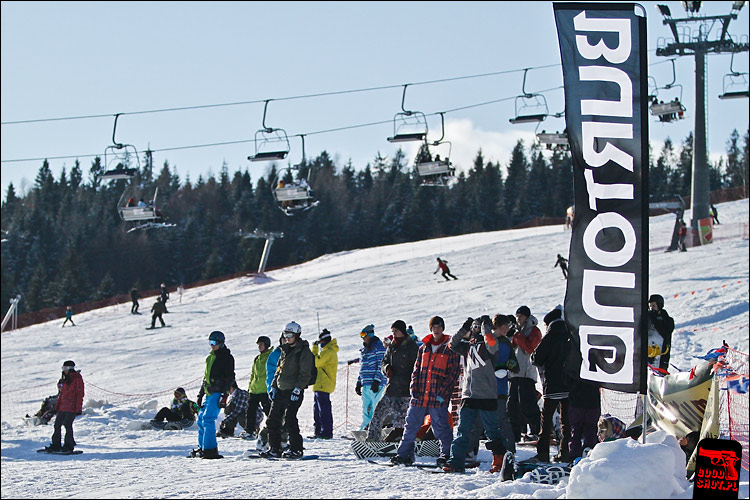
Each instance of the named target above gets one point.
<point>313,375</point>
<point>512,363</point>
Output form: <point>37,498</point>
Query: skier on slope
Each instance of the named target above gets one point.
<point>158,309</point>
<point>563,263</point>
<point>443,266</point>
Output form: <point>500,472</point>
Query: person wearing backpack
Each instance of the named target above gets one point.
<point>325,350</point>
<point>293,374</point>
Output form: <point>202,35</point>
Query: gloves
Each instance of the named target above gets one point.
<point>375,386</point>
<point>272,393</point>
<point>486,325</point>
<point>352,361</point>
<point>440,398</point>
<point>200,399</point>
<point>296,393</point>
<point>358,389</point>
<point>467,324</point>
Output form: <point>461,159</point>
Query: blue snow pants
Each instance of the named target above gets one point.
<point>207,422</point>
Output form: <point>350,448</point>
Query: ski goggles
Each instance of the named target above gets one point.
<point>288,335</point>
<point>214,342</point>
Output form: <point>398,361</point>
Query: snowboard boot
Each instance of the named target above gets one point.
<point>196,453</point>
<point>508,469</point>
<point>399,460</point>
<point>271,453</point>
<point>292,454</point>
<point>394,436</point>
<point>211,453</point>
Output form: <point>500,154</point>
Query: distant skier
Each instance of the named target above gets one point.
<point>158,309</point>
<point>682,232</point>
<point>563,263</point>
<point>443,265</point>
<point>134,299</point>
<point>68,317</point>
<point>715,214</point>
<point>164,295</point>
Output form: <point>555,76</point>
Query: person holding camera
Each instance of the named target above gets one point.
<point>476,345</point>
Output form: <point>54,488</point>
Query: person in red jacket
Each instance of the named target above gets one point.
<point>68,407</point>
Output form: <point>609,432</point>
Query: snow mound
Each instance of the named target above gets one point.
<point>626,468</point>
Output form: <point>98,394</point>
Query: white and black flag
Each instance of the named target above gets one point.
<point>603,48</point>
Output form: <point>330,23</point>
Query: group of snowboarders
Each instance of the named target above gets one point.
<point>406,379</point>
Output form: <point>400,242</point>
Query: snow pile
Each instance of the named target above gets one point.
<point>626,468</point>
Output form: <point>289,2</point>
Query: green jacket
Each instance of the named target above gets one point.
<point>295,367</point>
<point>327,362</point>
<point>258,374</point>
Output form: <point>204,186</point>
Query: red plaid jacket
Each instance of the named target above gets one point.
<point>435,374</point>
<point>71,393</point>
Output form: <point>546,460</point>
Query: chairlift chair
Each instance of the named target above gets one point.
<point>296,197</point>
<point>529,107</point>
<point>270,143</point>
<point>553,140</point>
<point>672,109</point>
<point>437,171</point>
<point>117,156</point>
<point>408,125</point>
<point>735,85</point>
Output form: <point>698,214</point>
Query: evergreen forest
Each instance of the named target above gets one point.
<point>64,242</point>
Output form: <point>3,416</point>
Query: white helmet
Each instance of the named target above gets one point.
<point>293,327</point>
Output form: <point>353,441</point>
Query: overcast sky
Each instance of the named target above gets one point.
<point>71,59</point>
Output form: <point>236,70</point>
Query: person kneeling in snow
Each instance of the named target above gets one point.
<point>235,411</point>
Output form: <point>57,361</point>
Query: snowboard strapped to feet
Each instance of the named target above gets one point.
<point>168,426</point>
<point>59,452</point>
<point>372,449</point>
<point>303,457</point>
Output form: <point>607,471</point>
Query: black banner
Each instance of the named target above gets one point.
<point>603,49</point>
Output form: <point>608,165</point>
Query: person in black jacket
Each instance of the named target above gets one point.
<point>660,328</point>
<point>397,365</point>
<point>549,357</point>
<point>164,293</point>
<point>134,299</point>
<point>217,379</point>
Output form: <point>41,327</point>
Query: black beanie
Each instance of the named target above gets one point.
<point>436,320</point>
<point>524,310</point>
<point>551,316</point>
<point>324,335</point>
<point>399,325</point>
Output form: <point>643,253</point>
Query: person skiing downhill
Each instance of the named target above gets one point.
<point>563,263</point>
<point>68,316</point>
<point>443,265</point>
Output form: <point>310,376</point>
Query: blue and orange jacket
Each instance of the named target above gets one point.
<point>435,374</point>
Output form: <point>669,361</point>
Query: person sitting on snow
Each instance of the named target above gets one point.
<point>610,428</point>
<point>180,409</point>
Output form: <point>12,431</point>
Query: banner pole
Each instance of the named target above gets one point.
<point>645,416</point>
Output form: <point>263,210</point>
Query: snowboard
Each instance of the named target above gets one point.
<point>543,472</point>
<point>74,452</point>
<point>469,465</point>
<point>372,449</point>
<point>157,327</point>
<point>167,426</point>
<point>303,457</point>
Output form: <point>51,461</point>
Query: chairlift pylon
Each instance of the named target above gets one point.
<point>270,143</point>
<point>408,125</point>
<point>529,107</point>
<point>296,197</point>
<point>117,158</point>
<point>734,84</point>
<point>436,171</point>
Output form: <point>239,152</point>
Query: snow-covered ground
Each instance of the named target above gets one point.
<point>706,291</point>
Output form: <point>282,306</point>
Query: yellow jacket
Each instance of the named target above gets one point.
<point>327,363</point>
